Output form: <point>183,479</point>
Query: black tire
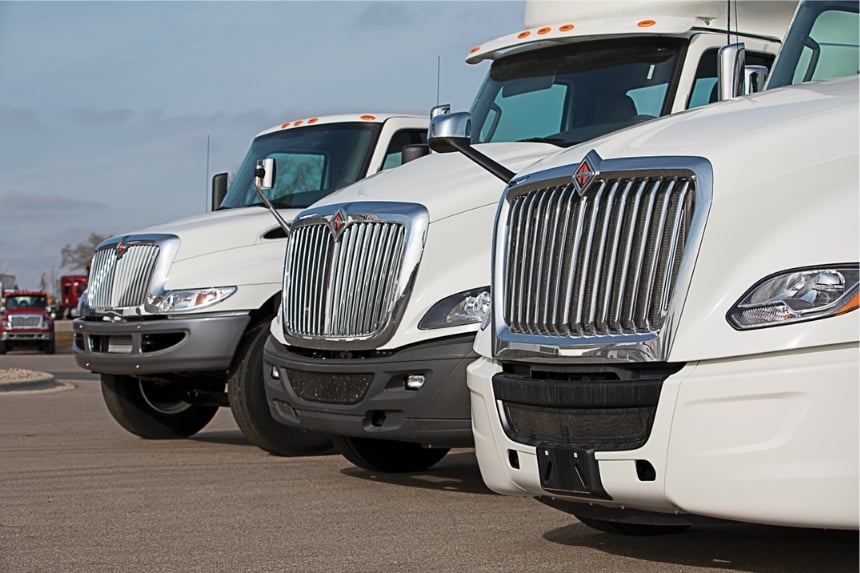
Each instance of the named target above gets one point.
<point>634,529</point>
<point>247,396</point>
<point>388,455</point>
<point>49,347</point>
<point>152,410</point>
<point>3,347</point>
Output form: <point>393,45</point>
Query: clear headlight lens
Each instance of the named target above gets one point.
<point>467,307</point>
<point>191,299</point>
<point>797,295</point>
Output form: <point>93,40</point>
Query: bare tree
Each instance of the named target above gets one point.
<point>78,257</point>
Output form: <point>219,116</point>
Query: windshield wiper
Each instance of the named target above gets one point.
<point>558,141</point>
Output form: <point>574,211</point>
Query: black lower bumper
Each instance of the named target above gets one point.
<point>368,396</point>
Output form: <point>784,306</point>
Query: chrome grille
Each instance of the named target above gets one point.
<point>121,281</point>
<point>344,286</point>
<point>25,321</point>
<point>603,263</point>
<point>348,272</point>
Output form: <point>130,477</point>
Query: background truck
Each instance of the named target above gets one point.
<point>175,313</point>
<point>386,282</point>
<point>674,330</point>
<point>26,321</point>
<point>71,289</point>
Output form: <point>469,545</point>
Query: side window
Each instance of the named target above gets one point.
<point>831,49</point>
<point>705,84</point>
<point>393,155</point>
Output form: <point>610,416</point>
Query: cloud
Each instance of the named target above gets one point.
<point>19,203</point>
<point>102,116</point>
<point>20,119</point>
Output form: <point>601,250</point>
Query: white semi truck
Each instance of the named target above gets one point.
<point>674,333</point>
<point>176,312</point>
<point>385,283</point>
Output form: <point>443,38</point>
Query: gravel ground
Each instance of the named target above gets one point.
<point>16,374</point>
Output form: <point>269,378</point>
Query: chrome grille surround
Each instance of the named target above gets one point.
<point>127,272</point>
<point>348,271</point>
<point>636,226</point>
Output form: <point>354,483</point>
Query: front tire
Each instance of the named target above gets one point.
<point>633,529</point>
<point>153,410</point>
<point>250,408</point>
<point>50,347</point>
<point>3,347</point>
<point>388,455</point>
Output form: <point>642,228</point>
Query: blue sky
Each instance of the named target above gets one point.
<point>106,107</point>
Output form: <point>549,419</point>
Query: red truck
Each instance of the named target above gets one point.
<point>26,321</point>
<point>71,288</point>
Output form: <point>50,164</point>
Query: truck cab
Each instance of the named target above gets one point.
<point>26,321</point>
<point>175,315</point>
<point>386,283</point>
<point>674,327</point>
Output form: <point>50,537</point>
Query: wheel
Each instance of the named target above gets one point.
<point>49,347</point>
<point>637,529</point>
<point>247,396</point>
<point>388,455</point>
<point>153,410</point>
<point>3,347</point>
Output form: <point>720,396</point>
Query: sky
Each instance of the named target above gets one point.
<point>115,115</point>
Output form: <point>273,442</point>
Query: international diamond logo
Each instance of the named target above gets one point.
<point>338,222</point>
<point>585,173</point>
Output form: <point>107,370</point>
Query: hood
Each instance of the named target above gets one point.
<point>445,183</point>
<point>220,231</point>
<point>743,137</point>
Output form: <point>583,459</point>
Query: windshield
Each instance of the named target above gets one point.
<point>576,92</point>
<point>310,163</point>
<point>822,43</point>
<point>26,301</point>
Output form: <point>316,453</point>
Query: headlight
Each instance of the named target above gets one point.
<point>192,299</point>
<point>467,307</point>
<point>797,295</point>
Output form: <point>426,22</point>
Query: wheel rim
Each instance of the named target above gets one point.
<point>162,398</point>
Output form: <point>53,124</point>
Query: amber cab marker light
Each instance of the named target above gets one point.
<point>525,34</point>
<point>368,117</point>
<point>566,28</point>
<point>475,49</point>
<point>285,124</point>
<point>543,31</point>
<point>298,123</point>
<point>646,23</point>
<point>313,120</point>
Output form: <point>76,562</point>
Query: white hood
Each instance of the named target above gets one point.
<point>447,184</point>
<point>236,229</point>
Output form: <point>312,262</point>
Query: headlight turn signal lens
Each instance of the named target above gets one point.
<point>797,295</point>
<point>467,307</point>
<point>191,299</point>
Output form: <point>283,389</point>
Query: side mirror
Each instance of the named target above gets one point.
<point>219,189</point>
<point>731,61</point>
<point>754,78</point>
<point>264,180</point>
<point>452,132</point>
<point>414,151</point>
<point>441,109</point>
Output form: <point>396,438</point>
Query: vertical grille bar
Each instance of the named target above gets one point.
<point>342,285</point>
<point>603,263</point>
<point>122,282</point>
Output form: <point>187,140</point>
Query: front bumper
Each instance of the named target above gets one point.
<point>769,439</point>
<point>367,396</point>
<point>26,336</point>
<point>202,343</point>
